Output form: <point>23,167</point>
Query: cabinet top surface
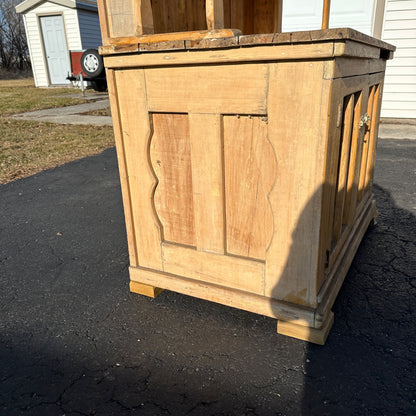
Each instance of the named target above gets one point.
<point>201,40</point>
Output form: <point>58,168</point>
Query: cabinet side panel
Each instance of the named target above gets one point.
<point>137,135</point>
<point>122,167</point>
<point>298,118</point>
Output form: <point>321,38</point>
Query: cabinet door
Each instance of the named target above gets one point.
<point>350,166</point>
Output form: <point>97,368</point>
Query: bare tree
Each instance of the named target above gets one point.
<point>13,45</point>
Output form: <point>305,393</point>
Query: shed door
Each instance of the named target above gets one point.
<point>55,48</point>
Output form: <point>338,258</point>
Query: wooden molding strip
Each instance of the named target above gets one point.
<point>257,53</point>
<point>222,38</point>
<point>226,296</point>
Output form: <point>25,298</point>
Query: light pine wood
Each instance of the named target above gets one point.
<point>325,14</point>
<point>297,132</point>
<point>336,274</point>
<point>331,173</point>
<point>119,16</point>
<point>353,49</point>
<point>226,296</point>
<point>255,53</point>
<point>278,16</point>
<point>133,17</point>
<point>233,272</point>
<point>137,134</point>
<point>122,167</point>
<point>143,16</point>
<point>344,88</point>
<point>260,16</point>
<point>241,15</point>
<point>208,182</point>
<point>345,67</point>
<point>167,37</point>
<point>366,144</point>
<point>146,290</point>
<point>343,167</point>
<point>241,160</point>
<point>354,164</point>
<point>171,160</point>
<point>179,15</point>
<point>215,14</point>
<point>208,89</point>
<point>103,17</point>
<point>265,16</point>
<point>375,117</point>
<point>316,336</point>
<point>250,172</point>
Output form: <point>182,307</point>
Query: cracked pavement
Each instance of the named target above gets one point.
<point>74,341</point>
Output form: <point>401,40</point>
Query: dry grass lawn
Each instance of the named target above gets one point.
<point>28,147</point>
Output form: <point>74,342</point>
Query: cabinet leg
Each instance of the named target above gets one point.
<point>316,336</point>
<point>146,290</point>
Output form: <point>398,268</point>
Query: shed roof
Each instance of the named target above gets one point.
<point>26,5</point>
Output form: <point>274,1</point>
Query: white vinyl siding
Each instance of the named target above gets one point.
<point>89,26</point>
<point>307,15</point>
<point>399,98</point>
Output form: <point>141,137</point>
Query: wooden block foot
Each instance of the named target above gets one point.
<point>146,290</point>
<point>305,333</point>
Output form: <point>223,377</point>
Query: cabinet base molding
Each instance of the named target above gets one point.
<point>316,336</point>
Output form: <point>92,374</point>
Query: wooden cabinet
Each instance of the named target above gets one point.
<point>246,166</point>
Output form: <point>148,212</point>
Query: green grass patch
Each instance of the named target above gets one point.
<point>19,96</point>
<point>28,147</point>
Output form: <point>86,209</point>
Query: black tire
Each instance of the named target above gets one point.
<point>92,63</point>
<point>100,85</point>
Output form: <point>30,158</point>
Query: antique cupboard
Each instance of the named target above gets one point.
<point>246,159</point>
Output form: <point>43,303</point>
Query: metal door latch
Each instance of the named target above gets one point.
<point>364,119</point>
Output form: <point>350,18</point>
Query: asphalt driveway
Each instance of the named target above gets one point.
<point>74,341</point>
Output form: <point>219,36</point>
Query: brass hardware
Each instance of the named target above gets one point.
<point>364,119</point>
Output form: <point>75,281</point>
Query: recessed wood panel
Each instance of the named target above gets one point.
<point>171,160</point>
<point>178,15</point>
<point>343,162</point>
<point>250,16</point>
<point>250,169</point>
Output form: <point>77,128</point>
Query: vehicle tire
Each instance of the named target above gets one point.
<point>92,63</point>
<point>99,85</point>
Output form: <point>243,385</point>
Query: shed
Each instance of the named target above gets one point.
<point>55,27</point>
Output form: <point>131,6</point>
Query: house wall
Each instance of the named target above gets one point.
<point>399,97</point>
<point>34,36</point>
<point>89,26</point>
<point>307,15</point>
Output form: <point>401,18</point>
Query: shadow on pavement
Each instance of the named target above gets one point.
<point>74,341</point>
<point>368,364</point>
